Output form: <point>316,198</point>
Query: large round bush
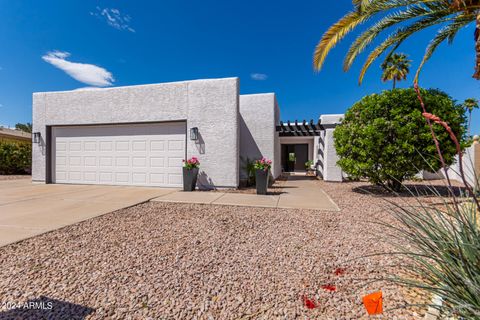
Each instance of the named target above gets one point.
<point>385,138</point>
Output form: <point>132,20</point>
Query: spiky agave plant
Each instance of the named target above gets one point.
<point>443,254</point>
<point>406,17</point>
<point>443,246</point>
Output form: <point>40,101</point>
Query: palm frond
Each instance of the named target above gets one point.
<point>397,38</point>
<point>446,33</point>
<point>425,13</point>
<point>363,11</point>
<point>359,45</point>
<point>336,33</point>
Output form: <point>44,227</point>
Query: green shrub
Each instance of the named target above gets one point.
<point>15,158</point>
<point>385,138</point>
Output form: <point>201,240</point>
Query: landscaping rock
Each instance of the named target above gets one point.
<point>184,261</point>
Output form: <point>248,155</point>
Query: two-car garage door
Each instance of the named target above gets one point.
<point>136,154</point>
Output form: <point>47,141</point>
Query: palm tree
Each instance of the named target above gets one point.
<point>407,17</point>
<point>470,104</point>
<point>396,67</point>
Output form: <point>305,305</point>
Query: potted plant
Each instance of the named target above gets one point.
<point>190,173</point>
<point>262,171</point>
<point>308,165</point>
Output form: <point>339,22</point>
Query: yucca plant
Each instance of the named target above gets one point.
<point>406,17</point>
<point>443,254</point>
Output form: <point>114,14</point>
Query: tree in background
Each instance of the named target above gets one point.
<point>395,68</point>
<point>25,127</point>
<point>385,139</point>
<point>470,104</point>
<point>407,17</point>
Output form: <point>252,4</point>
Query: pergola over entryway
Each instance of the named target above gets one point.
<point>302,129</point>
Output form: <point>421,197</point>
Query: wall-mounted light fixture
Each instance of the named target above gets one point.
<point>194,133</point>
<point>36,137</point>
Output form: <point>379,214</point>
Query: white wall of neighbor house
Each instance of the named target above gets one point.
<point>259,115</point>
<point>331,171</point>
<point>211,105</point>
<point>471,168</point>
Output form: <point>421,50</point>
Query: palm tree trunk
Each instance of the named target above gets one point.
<point>469,122</point>
<point>394,83</point>
<point>476,75</point>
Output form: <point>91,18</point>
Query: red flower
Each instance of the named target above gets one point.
<point>309,304</point>
<point>329,287</point>
<point>339,271</point>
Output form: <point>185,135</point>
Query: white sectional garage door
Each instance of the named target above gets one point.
<point>139,155</point>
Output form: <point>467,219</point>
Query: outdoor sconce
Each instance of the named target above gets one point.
<point>36,137</point>
<point>194,133</point>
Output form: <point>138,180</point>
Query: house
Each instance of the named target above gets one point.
<point>12,135</point>
<point>139,135</point>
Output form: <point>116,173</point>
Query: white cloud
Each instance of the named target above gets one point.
<point>83,72</point>
<point>114,18</point>
<point>259,76</point>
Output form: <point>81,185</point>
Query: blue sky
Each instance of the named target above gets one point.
<point>268,44</point>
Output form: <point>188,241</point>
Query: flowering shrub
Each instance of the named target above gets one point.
<point>263,164</point>
<point>191,163</point>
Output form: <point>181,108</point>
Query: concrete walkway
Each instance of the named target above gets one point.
<point>28,209</point>
<point>299,192</point>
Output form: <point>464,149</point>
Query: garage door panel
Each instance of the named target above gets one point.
<point>147,155</point>
<point>175,178</point>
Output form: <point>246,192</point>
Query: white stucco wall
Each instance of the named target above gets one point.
<point>331,172</point>
<point>471,168</point>
<point>211,105</point>
<point>259,115</point>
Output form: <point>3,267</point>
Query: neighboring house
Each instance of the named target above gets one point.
<point>139,135</point>
<point>471,167</point>
<point>12,135</point>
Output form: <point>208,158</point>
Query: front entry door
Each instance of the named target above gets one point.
<point>301,155</point>
<point>294,157</point>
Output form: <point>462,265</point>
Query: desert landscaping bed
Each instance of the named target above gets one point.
<point>181,261</point>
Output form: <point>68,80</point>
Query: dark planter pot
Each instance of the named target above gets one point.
<point>261,181</point>
<point>189,179</point>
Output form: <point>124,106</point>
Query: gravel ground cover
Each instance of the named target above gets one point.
<point>14,177</point>
<point>182,261</point>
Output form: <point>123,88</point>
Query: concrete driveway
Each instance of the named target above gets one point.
<point>28,209</point>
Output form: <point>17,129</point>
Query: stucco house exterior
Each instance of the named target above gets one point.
<point>139,135</point>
